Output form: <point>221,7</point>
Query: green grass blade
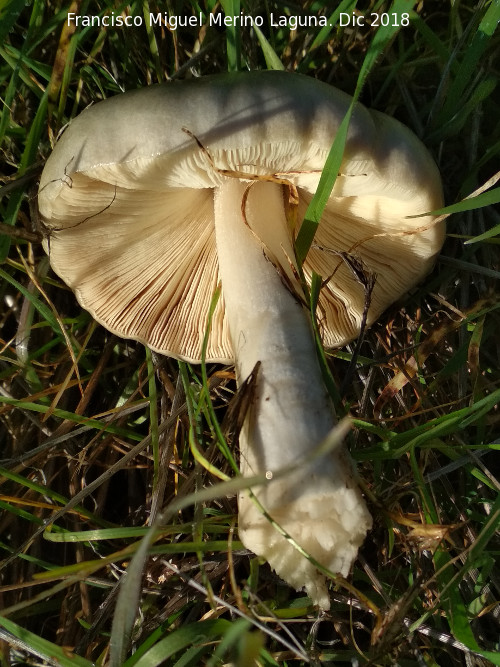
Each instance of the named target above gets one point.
<point>153,416</point>
<point>346,6</point>
<point>71,416</point>
<point>29,154</point>
<point>41,307</point>
<point>458,616</point>
<point>45,491</point>
<point>471,61</point>
<point>128,602</point>
<point>183,638</point>
<point>494,231</point>
<point>272,59</point>
<point>327,180</point>
<point>205,398</point>
<point>480,201</point>
<point>42,648</point>
<point>382,38</point>
<point>9,13</point>
<point>233,39</point>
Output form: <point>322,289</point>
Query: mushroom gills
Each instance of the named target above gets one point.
<point>317,503</point>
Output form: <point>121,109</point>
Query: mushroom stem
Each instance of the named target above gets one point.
<point>317,504</point>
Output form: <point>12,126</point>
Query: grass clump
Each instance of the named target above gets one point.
<point>98,435</point>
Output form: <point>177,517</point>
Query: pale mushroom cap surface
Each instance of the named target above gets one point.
<point>127,201</point>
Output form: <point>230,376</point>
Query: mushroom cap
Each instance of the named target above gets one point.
<point>126,198</point>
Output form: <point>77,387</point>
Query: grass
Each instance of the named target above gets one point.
<point>98,434</point>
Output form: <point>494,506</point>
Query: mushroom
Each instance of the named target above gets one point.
<point>152,197</point>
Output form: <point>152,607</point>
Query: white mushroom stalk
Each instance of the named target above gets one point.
<point>317,504</point>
